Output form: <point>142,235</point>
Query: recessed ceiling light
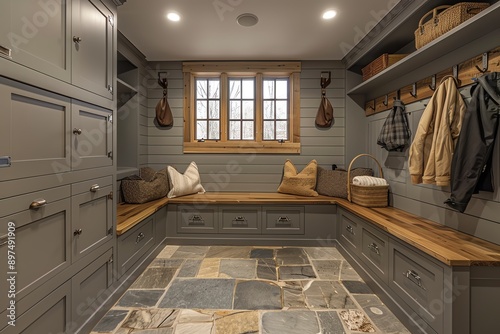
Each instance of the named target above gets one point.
<point>172,16</point>
<point>329,14</point>
<point>247,20</point>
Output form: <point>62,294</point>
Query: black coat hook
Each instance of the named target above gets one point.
<point>163,81</point>
<point>484,64</point>
<point>324,81</point>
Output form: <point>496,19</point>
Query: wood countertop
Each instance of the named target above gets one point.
<point>128,215</point>
<point>452,247</point>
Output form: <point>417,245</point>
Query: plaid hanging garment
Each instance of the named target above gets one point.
<point>395,134</point>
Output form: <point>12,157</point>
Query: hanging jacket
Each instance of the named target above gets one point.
<point>395,133</point>
<point>432,148</point>
<point>471,166</point>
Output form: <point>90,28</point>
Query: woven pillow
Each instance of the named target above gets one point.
<point>184,184</point>
<point>334,182</point>
<point>136,189</point>
<point>295,183</point>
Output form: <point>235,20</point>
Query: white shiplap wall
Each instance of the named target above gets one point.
<point>481,218</point>
<point>248,172</point>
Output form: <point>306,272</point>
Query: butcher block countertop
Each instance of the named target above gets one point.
<point>445,244</point>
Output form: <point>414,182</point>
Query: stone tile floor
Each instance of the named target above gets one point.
<point>245,290</point>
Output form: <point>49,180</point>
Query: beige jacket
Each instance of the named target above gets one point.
<point>432,148</point>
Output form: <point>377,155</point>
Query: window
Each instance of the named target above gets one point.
<point>239,107</point>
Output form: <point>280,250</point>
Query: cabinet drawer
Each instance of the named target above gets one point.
<point>350,232</point>
<point>193,220</point>
<point>283,219</point>
<point>90,283</point>
<point>419,281</point>
<point>93,186</point>
<point>51,315</point>
<point>134,244</point>
<point>92,221</point>
<point>244,220</point>
<point>375,251</point>
<point>42,246</point>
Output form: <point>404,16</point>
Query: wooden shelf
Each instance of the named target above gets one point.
<point>125,92</point>
<point>477,35</point>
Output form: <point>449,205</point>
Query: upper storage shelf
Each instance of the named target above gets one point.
<point>475,36</point>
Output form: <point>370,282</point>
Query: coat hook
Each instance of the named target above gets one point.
<point>163,81</point>
<point>455,74</point>
<point>324,81</point>
<point>373,107</point>
<point>398,95</point>
<point>484,64</point>
<point>432,86</point>
<point>414,90</point>
<point>386,100</point>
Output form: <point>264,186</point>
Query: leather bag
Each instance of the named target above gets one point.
<point>163,113</point>
<point>324,117</point>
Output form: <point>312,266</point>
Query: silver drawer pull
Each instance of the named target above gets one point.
<point>94,188</point>
<point>77,131</point>
<point>240,221</point>
<point>77,39</point>
<point>140,236</point>
<point>350,229</point>
<point>283,220</point>
<point>373,246</point>
<point>37,204</point>
<point>196,220</point>
<point>77,231</point>
<point>4,240</point>
<point>414,277</point>
<point>5,52</point>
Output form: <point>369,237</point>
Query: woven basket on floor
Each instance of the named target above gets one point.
<point>369,196</point>
<point>445,18</point>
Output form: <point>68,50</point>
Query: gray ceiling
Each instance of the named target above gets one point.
<point>287,29</point>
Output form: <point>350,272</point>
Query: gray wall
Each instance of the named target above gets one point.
<point>259,172</point>
<point>481,218</point>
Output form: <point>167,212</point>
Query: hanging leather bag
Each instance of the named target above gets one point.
<point>324,117</point>
<point>163,113</point>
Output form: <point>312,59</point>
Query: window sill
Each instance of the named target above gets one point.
<point>242,147</point>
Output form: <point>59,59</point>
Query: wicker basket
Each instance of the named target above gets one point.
<point>445,18</point>
<point>380,64</point>
<point>369,196</point>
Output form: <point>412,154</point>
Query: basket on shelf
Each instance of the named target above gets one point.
<point>369,196</point>
<point>380,63</point>
<point>445,18</point>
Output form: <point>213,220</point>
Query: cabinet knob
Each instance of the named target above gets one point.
<point>77,39</point>
<point>94,188</point>
<point>37,204</point>
<point>139,237</point>
<point>78,231</point>
<point>77,131</point>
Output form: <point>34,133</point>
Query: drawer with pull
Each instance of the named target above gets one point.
<point>350,232</point>
<point>134,243</point>
<point>419,281</point>
<point>191,219</point>
<point>375,251</point>
<point>240,220</point>
<point>283,219</point>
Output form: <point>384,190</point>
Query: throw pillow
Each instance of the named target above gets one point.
<point>334,182</point>
<point>184,184</point>
<point>295,183</point>
<point>136,189</point>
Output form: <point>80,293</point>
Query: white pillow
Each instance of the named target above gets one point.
<point>184,184</point>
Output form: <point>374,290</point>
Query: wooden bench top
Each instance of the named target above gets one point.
<point>445,244</point>
<point>128,215</point>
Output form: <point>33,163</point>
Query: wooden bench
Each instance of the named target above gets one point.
<point>128,215</point>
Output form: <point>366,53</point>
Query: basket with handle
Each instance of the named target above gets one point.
<point>444,18</point>
<point>369,196</point>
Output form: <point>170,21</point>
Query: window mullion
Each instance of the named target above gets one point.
<point>259,128</point>
<point>224,107</point>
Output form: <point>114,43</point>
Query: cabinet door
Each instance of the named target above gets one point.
<point>34,131</point>
<point>92,221</point>
<point>89,284</point>
<point>283,219</point>
<point>93,36</point>
<point>37,32</point>
<point>92,136</point>
<point>40,240</point>
<point>5,47</point>
<point>51,315</point>
<point>134,243</point>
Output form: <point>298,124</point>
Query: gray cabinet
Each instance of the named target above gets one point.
<point>349,232</point>
<point>283,219</point>
<point>134,244</point>
<point>92,131</point>
<point>191,219</point>
<point>34,131</point>
<point>375,251</point>
<point>90,284</point>
<point>36,34</point>
<point>244,219</point>
<point>91,216</point>
<point>93,49</point>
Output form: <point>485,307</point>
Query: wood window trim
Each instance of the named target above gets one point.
<point>257,69</point>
